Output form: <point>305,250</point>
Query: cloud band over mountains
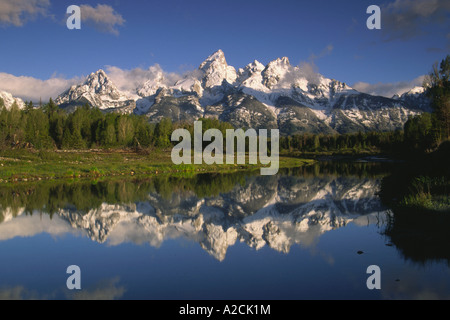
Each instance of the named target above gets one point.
<point>33,89</point>
<point>388,90</point>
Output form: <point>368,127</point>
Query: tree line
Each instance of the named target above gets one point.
<point>50,127</point>
<point>351,142</point>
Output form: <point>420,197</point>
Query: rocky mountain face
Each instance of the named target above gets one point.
<point>415,99</point>
<point>8,100</point>
<point>278,95</point>
<point>99,91</point>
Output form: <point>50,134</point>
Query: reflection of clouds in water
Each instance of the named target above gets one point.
<point>103,290</point>
<point>20,292</point>
<point>17,293</point>
<point>415,285</point>
<point>108,289</point>
<point>29,226</point>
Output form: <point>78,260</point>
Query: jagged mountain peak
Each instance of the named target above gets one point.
<point>415,98</point>
<point>414,92</point>
<point>96,83</point>
<point>275,71</point>
<point>152,86</point>
<point>216,70</point>
<point>217,57</point>
<point>281,61</point>
<point>210,74</point>
<point>255,66</point>
<point>98,90</point>
<point>250,76</point>
<point>100,82</point>
<point>99,73</point>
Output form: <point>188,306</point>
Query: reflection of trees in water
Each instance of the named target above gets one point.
<point>419,237</point>
<point>49,197</point>
<point>420,229</point>
<point>340,169</point>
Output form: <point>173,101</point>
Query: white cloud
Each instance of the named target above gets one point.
<point>103,18</point>
<point>27,226</point>
<point>388,89</point>
<point>405,19</point>
<point>326,51</point>
<point>130,80</point>
<point>18,12</point>
<point>308,70</point>
<point>107,289</point>
<point>32,89</point>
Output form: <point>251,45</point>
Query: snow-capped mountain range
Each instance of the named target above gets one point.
<point>277,95</point>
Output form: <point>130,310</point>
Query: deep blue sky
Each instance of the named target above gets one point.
<point>180,34</point>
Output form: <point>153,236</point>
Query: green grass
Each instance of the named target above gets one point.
<point>23,165</point>
<point>429,193</point>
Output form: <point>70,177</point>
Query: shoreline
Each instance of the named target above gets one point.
<point>17,166</point>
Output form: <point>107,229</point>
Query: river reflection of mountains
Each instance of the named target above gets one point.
<point>215,210</point>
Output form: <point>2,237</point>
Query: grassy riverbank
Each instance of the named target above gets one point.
<point>24,165</point>
<point>421,184</point>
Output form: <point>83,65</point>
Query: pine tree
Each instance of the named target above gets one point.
<point>163,132</point>
<point>37,129</point>
<point>437,85</point>
<point>15,126</point>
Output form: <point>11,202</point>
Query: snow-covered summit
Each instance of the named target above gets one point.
<point>98,90</point>
<point>151,86</point>
<point>275,71</point>
<point>8,100</point>
<point>216,70</point>
<point>415,98</point>
<point>415,91</point>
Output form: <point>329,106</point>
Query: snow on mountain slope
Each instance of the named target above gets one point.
<point>8,100</point>
<point>152,86</point>
<point>294,98</point>
<point>415,98</point>
<point>99,91</point>
<point>216,70</point>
